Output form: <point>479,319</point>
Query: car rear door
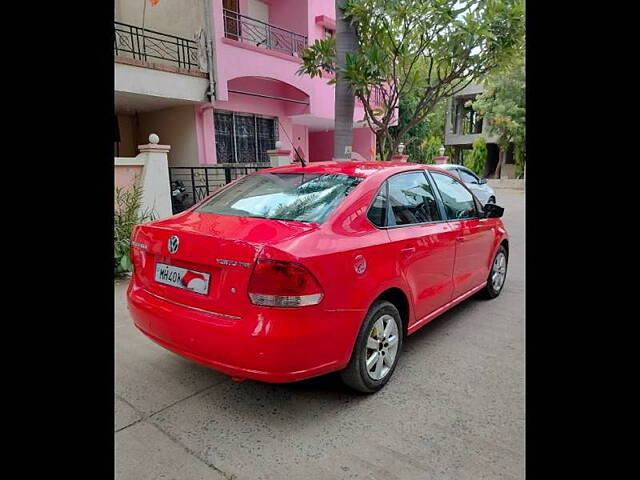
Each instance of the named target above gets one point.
<point>422,240</point>
<point>474,235</point>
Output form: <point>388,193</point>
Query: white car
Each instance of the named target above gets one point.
<point>477,185</point>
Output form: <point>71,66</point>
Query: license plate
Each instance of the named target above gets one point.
<point>182,278</point>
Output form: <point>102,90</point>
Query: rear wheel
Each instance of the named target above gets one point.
<point>377,349</point>
<point>497,275</point>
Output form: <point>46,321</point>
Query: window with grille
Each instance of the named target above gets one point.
<point>244,138</point>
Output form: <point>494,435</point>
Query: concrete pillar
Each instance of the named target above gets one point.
<point>156,191</point>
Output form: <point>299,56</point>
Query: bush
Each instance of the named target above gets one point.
<point>478,158</point>
<point>430,148</point>
<point>127,215</point>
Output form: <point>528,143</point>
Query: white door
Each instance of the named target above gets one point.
<point>259,11</point>
<point>260,31</point>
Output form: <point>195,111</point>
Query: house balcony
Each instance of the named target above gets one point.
<point>154,70</point>
<point>156,49</point>
<point>260,35</point>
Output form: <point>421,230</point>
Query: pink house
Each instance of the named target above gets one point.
<point>258,99</point>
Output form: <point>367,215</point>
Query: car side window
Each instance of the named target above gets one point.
<point>377,213</point>
<point>412,199</point>
<point>468,177</point>
<point>458,202</point>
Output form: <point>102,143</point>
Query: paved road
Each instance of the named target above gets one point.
<point>454,408</point>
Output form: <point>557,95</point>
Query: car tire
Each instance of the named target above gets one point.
<point>366,379</point>
<point>498,267</point>
<point>492,199</point>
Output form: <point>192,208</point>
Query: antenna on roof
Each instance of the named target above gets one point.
<point>302,161</point>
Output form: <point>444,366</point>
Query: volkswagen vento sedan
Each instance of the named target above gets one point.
<point>294,272</point>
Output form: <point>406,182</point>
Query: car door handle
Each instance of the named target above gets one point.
<point>407,250</point>
<point>460,239</point>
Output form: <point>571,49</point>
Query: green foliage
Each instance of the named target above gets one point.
<point>127,214</point>
<point>430,149</point>
<point>424,139</point>
<point>421,50</point>
<point>478,158</point>
<point>519,158</point>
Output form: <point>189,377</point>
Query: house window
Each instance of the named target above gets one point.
<point>328,33</point>
<point>471,121</point>
<point>243,137</point>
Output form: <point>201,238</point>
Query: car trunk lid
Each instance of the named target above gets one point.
<point>222,248</point>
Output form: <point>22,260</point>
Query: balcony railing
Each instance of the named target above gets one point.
<point>143,44</point>
<point>249,30</point>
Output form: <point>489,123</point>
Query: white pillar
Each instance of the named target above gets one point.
<point>156,191</point>
<point>279,156</point>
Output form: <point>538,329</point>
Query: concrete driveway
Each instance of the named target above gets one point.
<point>454,408</point>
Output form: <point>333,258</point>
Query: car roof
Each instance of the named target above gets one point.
<point>447,166</point>
<point>352,168</point>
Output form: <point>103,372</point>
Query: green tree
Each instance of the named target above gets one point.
<point>430,49</point>
<point>478,158</point>
<point>502,104</point>
<point>424,139</point>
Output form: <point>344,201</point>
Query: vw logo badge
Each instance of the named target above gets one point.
<point>359,264</point>
<point>173,244</point>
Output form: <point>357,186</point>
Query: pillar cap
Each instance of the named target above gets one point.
<point>154,148</point>
<point>279,152</point>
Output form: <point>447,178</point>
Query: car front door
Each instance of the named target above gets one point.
<point>422,239</point>
<point>474,235</point>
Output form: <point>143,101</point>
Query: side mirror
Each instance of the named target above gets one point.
<point>482,181</point>
<point>491,210</point>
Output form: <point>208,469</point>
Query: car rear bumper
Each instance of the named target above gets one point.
<point>269,344</point>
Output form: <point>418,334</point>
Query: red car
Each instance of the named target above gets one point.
<point>297,271</point>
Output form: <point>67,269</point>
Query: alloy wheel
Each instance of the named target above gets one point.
<point>382,347</point>
<point>499,271</point>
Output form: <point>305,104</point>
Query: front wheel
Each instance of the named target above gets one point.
<point>377,349</point>
<point>497,275</point>
<point>492,200</point>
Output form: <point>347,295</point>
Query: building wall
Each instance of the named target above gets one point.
<point>289,14</point>
<point>321,144</point>
<point>126,175</point>
<point>174,17</point>
<point>175,127</point>
<point>317,8</point>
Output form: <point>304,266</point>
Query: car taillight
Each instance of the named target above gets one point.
<point>283,284</point>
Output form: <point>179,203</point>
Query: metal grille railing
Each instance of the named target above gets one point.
<point>202,181</point>
<point>249,30</point>
<point>143,44</point>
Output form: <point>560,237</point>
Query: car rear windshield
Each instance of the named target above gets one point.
<point>302,197</point>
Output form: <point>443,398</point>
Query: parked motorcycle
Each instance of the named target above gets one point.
<point>178,196</point>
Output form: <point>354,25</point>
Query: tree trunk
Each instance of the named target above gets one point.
<point>501,157</point>
<point>345,42</point>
